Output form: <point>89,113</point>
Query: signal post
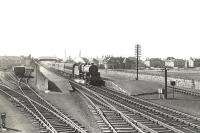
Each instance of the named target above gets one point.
<point>137,54</point>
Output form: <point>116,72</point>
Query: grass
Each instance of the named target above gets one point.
<point>148,90</point>
<point>182,74</point>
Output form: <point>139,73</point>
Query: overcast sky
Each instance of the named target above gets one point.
<point>104,27</point>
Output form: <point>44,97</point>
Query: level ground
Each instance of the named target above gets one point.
<point>147,89</point>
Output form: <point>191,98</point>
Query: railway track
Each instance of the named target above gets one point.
<point>56,120</point>
<point>144,122</point>
<point>135,109</point>
<point>108,118</point>
<point>111,119</point>
<point>38,123</point>
<point>178,120</point>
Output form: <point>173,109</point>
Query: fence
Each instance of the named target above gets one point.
<point>189,84</point>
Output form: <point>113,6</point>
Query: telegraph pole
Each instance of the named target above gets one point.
<point>165,83</point>
<point>138,54</point>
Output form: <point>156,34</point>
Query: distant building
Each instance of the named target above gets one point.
<point>147,63</point>
<point>169,63</point>
<point>189,63</point>
<point>179,63</point>
<point>9,61</point>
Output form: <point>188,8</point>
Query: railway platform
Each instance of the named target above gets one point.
<point>45,79</point>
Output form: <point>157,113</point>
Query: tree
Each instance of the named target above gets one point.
<point>157,62</point>
<point>197,63</point>
<point>180,63</point>
<point>170,58</point>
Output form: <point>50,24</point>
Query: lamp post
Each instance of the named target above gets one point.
<point>137,54</point>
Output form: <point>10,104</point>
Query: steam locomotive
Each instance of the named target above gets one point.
<point>81,72</point>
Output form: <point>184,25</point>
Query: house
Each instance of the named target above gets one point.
<point>190,63</point>
<point>147,63</point>
<point>169,63</point>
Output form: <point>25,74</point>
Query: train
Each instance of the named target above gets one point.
<point>19,70</point>
<point>84,73</point>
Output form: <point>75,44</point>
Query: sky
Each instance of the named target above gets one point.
<point>105,27</point>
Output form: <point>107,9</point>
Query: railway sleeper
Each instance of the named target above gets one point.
<point>149,123</point>
<point>118,121</point>
<point>63,128</point>
<point>113,118</point>
<point>126,131</point>
<point>106,130</point>
<point>103,125</point>
<point>143,120</point>
<point>123,123</point>
<point>122,126</point>
<point>57,127</point>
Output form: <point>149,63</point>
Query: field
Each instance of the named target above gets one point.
<point>148,90</point>
<point>181,73</point>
